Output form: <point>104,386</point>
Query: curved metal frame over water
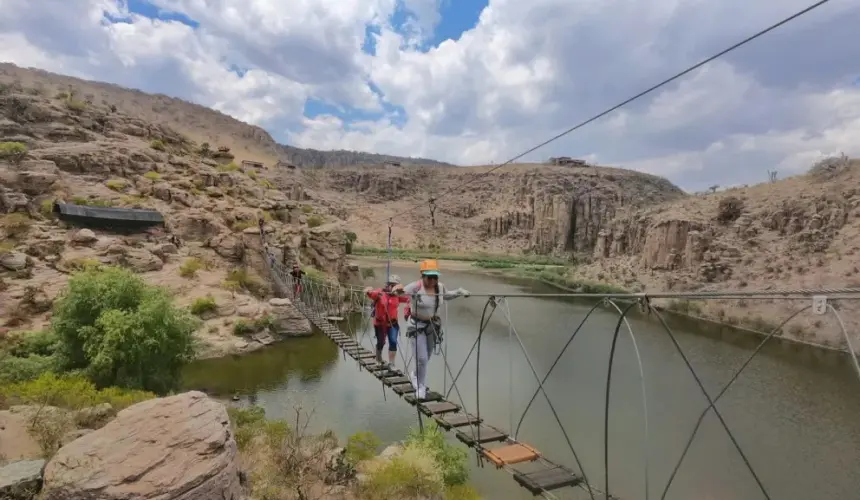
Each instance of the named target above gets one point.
<point>326,299</point>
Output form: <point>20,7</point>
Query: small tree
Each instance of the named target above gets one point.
<point>120,331</point>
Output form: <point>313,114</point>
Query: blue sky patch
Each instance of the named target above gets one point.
<point>144,8</point>
<point>458,16</point>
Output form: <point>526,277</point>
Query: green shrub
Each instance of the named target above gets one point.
<point>75,106</point>
<point>13,152</point>
<point>15,225</point>
<point>152,175</point>
<point>307,209</point>
<point>157,144</point>
<point>367,272</point>
<point>315,221</point>
<point>250,423</point>
<point>120,331</point>
<point>248,280</point>
<point>361,446</point>
<point>22,368</point>
<point>69,391</point>
<point>450,458</point>
<point>230,167</point>
<point>190,266</point>
<point>412,474</point>
<point>46,208</point>
<point>116,184</point>
<point>203,305</point>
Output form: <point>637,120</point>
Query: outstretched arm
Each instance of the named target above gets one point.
<point>455,294</point>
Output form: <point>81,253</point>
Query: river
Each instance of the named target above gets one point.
<point>795,412</point>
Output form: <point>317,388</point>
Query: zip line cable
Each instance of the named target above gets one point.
<point>642,94</point>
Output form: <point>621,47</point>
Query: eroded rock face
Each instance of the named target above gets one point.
<point>287,320</point>
<point>180,447</point>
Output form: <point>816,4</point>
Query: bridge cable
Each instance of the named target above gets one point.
<point>720,395</point>
<point>711,402</point>
<point>643,93</point>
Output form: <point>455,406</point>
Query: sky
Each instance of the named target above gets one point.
<point>480,81</point>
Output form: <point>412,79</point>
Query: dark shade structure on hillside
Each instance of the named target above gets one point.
<point>117,219</point>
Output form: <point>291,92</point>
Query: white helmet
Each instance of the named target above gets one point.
<point>393,280</point>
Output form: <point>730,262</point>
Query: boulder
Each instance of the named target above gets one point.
<point>84,237</point>
<point>178,448</point>
<point>21,480</point>
<point>287,321</point>
<point>15,261</point>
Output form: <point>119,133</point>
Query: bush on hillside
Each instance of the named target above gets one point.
<point>450,459</point>
<point>13,152</point>
<point>120,331</point>
<point>729,209</point>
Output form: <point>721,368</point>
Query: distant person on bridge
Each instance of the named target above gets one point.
<point>427,296</point>
<point>385,314</point>
<point>297,274</point>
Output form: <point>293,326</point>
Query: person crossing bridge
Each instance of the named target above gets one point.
<point>425,328</point>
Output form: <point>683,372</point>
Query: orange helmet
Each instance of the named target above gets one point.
<point>430,267</point>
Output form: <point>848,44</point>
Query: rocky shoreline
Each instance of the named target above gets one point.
<point>181,447</point>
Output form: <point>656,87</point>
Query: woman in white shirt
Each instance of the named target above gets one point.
<point>425,328</point>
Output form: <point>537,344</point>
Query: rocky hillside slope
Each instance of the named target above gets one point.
<point>797,233</point>
<point>58,145</point>
<point>198,123</point>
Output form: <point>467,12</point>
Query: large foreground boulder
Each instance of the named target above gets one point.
<point>175,448</point>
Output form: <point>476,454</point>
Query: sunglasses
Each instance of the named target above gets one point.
<point>430,276</point>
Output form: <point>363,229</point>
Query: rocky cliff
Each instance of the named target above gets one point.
<point>536,208</point>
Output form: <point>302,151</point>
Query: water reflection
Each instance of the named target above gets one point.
<point>304,358</point>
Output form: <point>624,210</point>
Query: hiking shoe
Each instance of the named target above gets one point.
<point>421,394</point>
<point>414,380</point>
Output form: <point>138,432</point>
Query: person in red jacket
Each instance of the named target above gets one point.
<point>385,315</point>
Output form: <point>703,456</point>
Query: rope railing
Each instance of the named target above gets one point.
<point>328,298</point>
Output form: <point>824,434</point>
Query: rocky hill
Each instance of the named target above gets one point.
<point>520,208</point>
<point>60,145</point>
<point>198,123</point>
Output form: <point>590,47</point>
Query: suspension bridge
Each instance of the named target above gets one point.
<point>326,304</point>
<point>320,301</point>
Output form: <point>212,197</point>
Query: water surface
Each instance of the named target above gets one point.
<point>794,412</point>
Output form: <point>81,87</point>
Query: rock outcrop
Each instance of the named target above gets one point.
<point>287,321</point>
<point>21,480</point>
<point>179,447</point>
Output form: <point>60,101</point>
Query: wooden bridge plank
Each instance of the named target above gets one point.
<point>469,435</point>
<point>403,389</point>
<point>438,408</point>
<point>429,398</point>
<point>453,420</point>
<point>396,380</point>
<point>549,479</point>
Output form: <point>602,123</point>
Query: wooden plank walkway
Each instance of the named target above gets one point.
<point>493,444</point>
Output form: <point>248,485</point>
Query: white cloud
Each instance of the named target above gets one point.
<point>529,69</point>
